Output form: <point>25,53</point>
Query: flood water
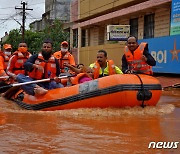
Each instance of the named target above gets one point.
<point>127,130</point>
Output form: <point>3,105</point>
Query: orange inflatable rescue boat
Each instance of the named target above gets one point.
<point>116,91</point>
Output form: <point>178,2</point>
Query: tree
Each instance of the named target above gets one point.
<point>56,33</point>
<point>34,39</point>
<point>14,38</point>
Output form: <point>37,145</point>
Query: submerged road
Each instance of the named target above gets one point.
<point>127,130</point>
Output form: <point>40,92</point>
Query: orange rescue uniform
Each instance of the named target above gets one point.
<point>16,63</point>
<point>96,69</point>
<point>135,62</point>
<point>3,63</point>
<point>67,58</point>
<point>49,68</point>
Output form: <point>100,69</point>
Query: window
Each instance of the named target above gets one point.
<point>75,38</point>
<point>83,38</point>
<point>149,26</point>
<point>101,35</point>
<point>134,27</point>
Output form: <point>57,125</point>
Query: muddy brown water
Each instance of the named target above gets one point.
<point>126,130</point>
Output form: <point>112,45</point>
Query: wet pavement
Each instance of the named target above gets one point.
<point>168,80</point>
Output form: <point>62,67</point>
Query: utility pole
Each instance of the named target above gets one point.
<point>23,8</point>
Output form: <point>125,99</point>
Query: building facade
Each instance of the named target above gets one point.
<point>148,19</point>
<point>54,9</point>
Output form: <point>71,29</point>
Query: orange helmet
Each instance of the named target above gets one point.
<point>64,43</point>
<point>7,46</point>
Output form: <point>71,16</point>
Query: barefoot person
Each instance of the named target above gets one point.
<point>41,66</point>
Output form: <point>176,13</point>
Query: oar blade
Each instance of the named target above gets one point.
<point>4,86</point>
<point>11,92</point>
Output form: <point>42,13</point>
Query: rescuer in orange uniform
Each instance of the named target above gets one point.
<point>64,57</point>
<point>4,58</point>
<point>17,60</point>
<point>136,58</point>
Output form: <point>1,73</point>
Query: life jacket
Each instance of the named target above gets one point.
<point>62,60</point>
<point>135,62</point>
<point>6,59</point>
<point>111,69</point>
<point>48,65</point>
<point>19,64</point>
<point>75,80</point>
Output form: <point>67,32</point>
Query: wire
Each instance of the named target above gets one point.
<point>8,18</point>
<point>88,12</point>
<point>74,5</point>
<point>4,14</point>
<point>32,16</point>
<point>7,8</point>
<point>36,4</point>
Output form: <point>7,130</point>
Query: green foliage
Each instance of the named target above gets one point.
<point>57,34</point>
<point>14,38</point>
<point>34,40</point>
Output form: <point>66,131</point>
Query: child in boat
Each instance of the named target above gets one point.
<point>82,74</point>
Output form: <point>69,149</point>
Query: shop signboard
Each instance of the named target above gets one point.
<point>118,32</point>
<point>166,52</point>
<point>175,17</point>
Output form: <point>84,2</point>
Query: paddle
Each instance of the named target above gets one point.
<point>4,77</point>
<point>3,84</point>
<point>30,82</point>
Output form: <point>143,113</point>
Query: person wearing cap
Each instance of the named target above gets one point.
<point>4,58</point>
<point>42,65</point>
<point>64,57</point>
<point>17,60</point>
